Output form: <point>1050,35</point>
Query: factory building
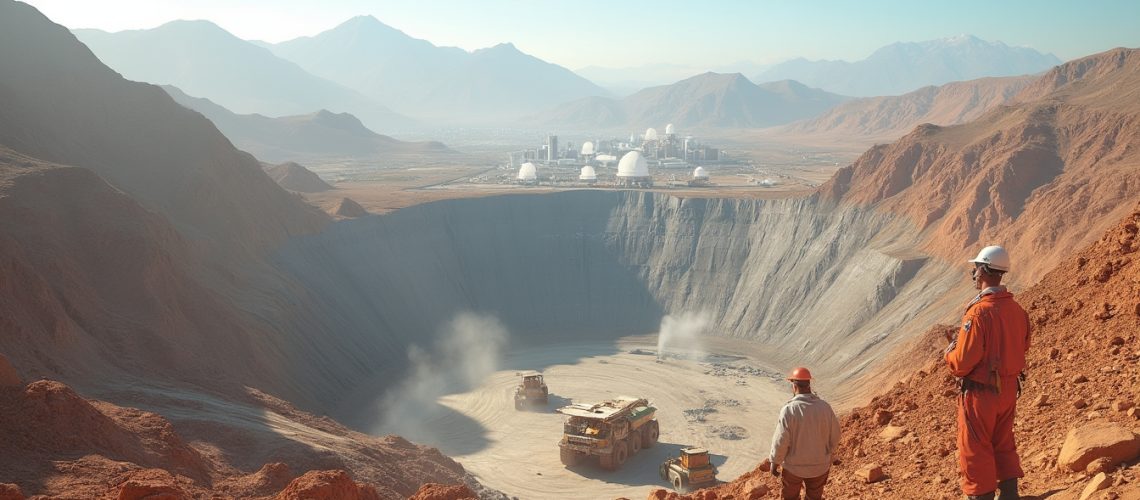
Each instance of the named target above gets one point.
<point>551,148</point>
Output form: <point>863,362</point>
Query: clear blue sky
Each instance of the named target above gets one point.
<point>632,33</point>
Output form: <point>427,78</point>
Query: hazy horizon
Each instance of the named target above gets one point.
<point>588,33</point>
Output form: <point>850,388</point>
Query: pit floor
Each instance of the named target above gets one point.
<point>726,403</point>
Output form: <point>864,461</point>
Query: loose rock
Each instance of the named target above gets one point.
<point>1097,440</point>
<point>893,433</point>
<point>1099,482</point>
<point>870,473</point>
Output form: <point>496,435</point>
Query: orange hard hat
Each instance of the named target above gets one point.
<point>801,374</point>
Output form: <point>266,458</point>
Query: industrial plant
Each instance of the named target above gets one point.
<point>632,163</point>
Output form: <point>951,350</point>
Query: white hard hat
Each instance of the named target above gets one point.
<point>993,256</point>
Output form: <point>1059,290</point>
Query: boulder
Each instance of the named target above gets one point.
<point>1102,464</point>
<point>1097,440</point>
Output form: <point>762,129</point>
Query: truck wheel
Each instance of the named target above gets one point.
<point>649,437</point>
<point>635,440</point>
<point>621,453</point>
<point>678,483</point>
<point>569,457</point>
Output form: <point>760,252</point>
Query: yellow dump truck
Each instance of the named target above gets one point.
<point>691,470</point>
<point>612,430</point>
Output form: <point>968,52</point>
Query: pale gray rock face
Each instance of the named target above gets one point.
<point>820,285</point>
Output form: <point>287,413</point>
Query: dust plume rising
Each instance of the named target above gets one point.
<point>469,350</point>
<point>683,333</point>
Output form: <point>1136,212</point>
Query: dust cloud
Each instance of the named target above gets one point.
<point>683,333</point>
<point>470,350</point>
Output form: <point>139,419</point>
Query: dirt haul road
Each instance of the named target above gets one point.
<point>727,404</point>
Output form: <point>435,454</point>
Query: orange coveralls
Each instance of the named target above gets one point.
<point>990,354</point>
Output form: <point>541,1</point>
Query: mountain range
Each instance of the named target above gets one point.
<point>495,84</point>
<point>204,60</point>
<point>322,134</point>
<point>902,67</point>
<point>706,100</point>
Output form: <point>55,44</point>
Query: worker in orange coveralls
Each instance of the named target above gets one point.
<point>988,357</point>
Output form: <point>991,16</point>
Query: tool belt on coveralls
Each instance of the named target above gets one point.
<point>966,385</point>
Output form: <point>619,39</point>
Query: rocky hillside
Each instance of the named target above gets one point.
<point>63,106</point>
<point>133,243</point>
<point>1077,425</point>
<point>125,452</point>
<point>1037,176</point>
<point>892,117</point>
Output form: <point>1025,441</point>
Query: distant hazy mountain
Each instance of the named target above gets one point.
<point>417,78</point>
<point>626,81</point>
<point>205,60</point>
<point>901,67</point>
<point>322,134</point>
<point>707,100</point>
<point>890,117</point>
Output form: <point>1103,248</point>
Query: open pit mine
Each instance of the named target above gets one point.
<point>175,324</point>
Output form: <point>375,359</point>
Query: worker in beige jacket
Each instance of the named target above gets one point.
<point>806,436</point>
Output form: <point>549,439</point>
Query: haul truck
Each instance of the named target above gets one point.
<point>612,430</point>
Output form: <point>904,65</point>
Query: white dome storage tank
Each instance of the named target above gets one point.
<point>633,165</point>
<point>587,148</point>
<point>651,134</point>
<point>588,174</point>
<point>700,173</point>
<point>528,172</point>
<point>669,129</point>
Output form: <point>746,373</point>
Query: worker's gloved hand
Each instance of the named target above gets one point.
<point>775,469</point>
